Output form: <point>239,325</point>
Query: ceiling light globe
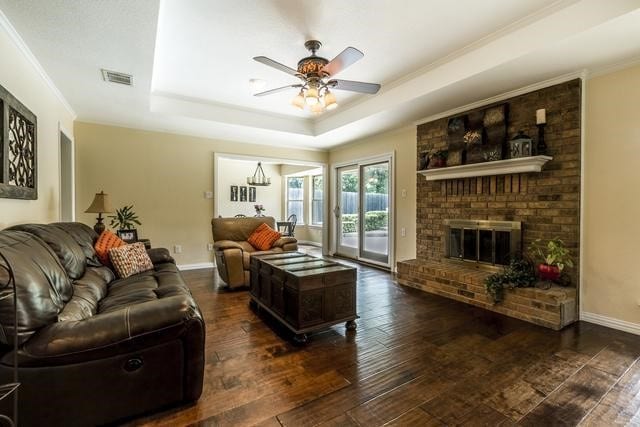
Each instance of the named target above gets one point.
<point>298,101</point>
<point>311,97</point>
<point>330,101</point>
<point>317,108</point>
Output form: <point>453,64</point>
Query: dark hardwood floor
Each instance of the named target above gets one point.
<point>415,360</point>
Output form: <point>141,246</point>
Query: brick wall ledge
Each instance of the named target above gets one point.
<point>553,308</point>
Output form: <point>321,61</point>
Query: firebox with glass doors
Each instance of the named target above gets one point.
<point>482,242</point>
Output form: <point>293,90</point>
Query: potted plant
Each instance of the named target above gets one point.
<point>438,159</point>
<point>518,274</point>
<point>125,221</point>
<point>555,257</point>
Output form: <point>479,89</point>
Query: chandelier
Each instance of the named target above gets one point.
<point>259,178</point>
<point>316,96</point>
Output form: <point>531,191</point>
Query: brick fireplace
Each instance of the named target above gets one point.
<point>546,204</point>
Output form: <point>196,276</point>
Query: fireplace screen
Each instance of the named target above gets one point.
<point>484,242</point>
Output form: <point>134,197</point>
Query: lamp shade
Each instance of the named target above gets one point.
<point>101,204</point>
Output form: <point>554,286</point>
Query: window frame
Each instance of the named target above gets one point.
<point>313,199</point>
<point>300,219</point>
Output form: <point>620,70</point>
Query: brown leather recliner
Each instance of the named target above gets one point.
<point>93,349</point>
<point>233,252</point>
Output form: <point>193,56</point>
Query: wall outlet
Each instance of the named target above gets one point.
<point>177,249</point>
<point>209,246</point>
<point>208,194</point>
<point>403,232</point>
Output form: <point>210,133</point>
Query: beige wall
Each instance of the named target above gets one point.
<point>611,281</point>
<point>235,172</point>
<point>164,176</point>
<point>23,80</point>
<point>403,143</point>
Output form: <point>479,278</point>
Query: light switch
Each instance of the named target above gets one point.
<point>404,193</point>
<point>208,194</point>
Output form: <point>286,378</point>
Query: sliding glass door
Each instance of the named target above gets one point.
<point>363,211</point>
<point>347,210</point>
<point>375,212</point>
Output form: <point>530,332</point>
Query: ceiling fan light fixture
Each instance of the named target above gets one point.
<point>311,97</point>
<point>317,108</point>
<point>330,102</point>
<point>298,101</point>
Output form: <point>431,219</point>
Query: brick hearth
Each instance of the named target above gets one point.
<point>553,308</point>
<point>547,204</point>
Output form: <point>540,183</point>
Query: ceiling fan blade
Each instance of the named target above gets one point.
<point>362,87</point>
<point>278,66</point>
<point>276,90</point>
<point>346,58</point>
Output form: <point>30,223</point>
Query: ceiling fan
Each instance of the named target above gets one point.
<point>315,74</point>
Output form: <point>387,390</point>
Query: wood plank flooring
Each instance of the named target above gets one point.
<point>415,360</point>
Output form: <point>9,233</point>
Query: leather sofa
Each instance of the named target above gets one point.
<point>233,252</point>
<point>94,349</point>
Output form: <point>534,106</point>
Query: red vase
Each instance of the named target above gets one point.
<point>550,273</point>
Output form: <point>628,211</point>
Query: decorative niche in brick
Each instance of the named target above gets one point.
<point>547,203</point>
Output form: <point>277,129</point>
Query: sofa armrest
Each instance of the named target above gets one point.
<point>284,241</point>
<point>105,334</point>
<point>160,256</point>
<point>221,245</point>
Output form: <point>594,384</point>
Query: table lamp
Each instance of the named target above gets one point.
<point>101,204</point>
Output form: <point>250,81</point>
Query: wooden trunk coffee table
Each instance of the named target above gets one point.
<point>303,292</point>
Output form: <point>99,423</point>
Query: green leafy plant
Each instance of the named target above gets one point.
<point>440,154</point>
<point>124,219</point>
<point>518,274</point>
<point>553,253</point>
<point>373,220</point>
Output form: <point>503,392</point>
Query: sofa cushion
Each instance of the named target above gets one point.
<point>263,237</point>
<point>87,293</point>
<point>42,284</point>
<point>130,259</point>
<point>238,229</point>
<point>161,282</point>
<point>106,242</point>
<point>65,247</point>
<point>85,237</point>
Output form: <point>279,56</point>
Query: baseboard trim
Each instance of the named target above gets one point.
<point>197,266</point>
<point>622,325</point>
<point>310,243</point>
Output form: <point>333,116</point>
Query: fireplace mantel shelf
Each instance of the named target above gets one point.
<point>497,167</point>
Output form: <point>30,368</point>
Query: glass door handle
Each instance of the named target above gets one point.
<point>336,211</point>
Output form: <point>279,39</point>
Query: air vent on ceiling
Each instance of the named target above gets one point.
<point>115,77</point>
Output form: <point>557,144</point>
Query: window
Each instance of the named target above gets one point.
<point>316,200</point>
<point>295,197</point>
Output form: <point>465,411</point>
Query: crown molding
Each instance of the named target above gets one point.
<point>612,68</point>
<point>503,96</point>
<point>22,47</point>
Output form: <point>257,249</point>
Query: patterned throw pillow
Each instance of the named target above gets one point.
<point>130,259</point>
<point>105,242</point>
<point>263,237</point>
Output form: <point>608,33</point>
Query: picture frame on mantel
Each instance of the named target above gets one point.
<point>18,149</point>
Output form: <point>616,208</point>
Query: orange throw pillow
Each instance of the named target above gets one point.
<point>263,237</point>
<point>105,242</point>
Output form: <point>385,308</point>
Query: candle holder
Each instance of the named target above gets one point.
<point>542,146</point>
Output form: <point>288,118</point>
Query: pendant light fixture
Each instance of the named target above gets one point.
<point>259,178</point>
